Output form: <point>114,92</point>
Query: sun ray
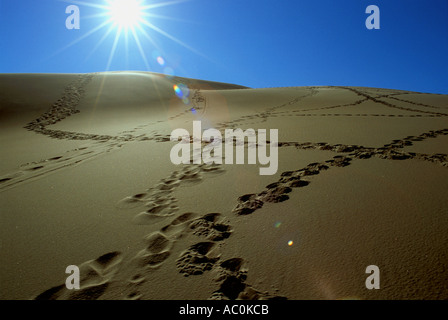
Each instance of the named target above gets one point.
<point>166,34</point>
<point>111,28</point>
<point>97,15</point>
<point>127,17</point>
<point>114,48</point>
<point>163,4</point>
<point>140,48</point>
<point>84,3</point>
<point>158,16</point>
<point>126,46</point>
<point>105,23</point>
<point>147,36</point>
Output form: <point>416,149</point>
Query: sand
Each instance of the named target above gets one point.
<point>86,180</point>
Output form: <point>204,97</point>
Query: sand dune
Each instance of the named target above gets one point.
<point>86,180</point>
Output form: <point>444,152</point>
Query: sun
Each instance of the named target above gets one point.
<point>127,20</point>
<point>125,13</point>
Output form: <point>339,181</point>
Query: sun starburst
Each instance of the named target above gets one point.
<point>125,13</point>
<point>131,19</point>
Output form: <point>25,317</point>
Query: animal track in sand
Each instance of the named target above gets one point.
<point>231,275</point>
<point>65,107</point>
<point>210,227</point>
<point>159,200</point>
<point>157,250</point>
<point>159,244</point>
<point>201,257</point>
<point>95,277</point>
<point>278,191</point>
<point>97,274</point>
<point>196,259</point>
<point>390,105</point>
<point>74,92</point>
<point>40,168</point>
<point>273,111</point>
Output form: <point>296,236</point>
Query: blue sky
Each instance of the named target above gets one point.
<point>257,43</point>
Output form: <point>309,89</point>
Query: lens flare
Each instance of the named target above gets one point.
<point>177,91</point>
<point>290,243</point>
<point>161,61</point>
<point>182,92</point>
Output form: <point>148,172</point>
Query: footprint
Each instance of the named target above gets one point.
<point>230,288</point>
<point>278,191</point>
<point>155,212</point>
<point>134,296</point>
<point>212,168</point>
<point>95,276</point>
<point>182,218</point>
<point>108,261</point>
<point>295,182</point>
<point>394,155</point>
<point>247,204</point>
<point>275,195</point>
<point>362,155</point>
<point>89,293</point>
<point>339,161</point>
<point>316,167</point>
<point>209,228</point>
<point>131,202</point>
<point>159,204</point>
<point>35,168</point>
<point>307,171</point>
<point>178,226</point>
<point>164,200</point>
<point>168,184</point>
<point>191,176</point>
<point>152,260</point>
<point>233,265</point>
<point>156,242</point>
<point>231,276</point>
<point>51,294</point>
<point>159,244</point>
<point>137,279</point>
<point>196,260</point>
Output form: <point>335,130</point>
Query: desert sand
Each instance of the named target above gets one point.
<point>86,180</point>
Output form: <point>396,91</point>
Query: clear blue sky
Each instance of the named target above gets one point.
<point>257,43</point>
